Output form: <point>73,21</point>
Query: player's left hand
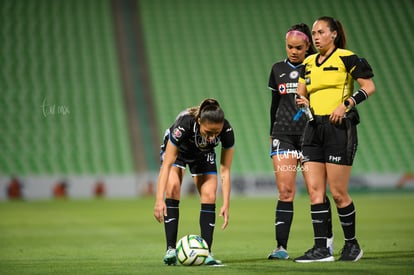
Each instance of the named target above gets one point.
<point>224,212</point>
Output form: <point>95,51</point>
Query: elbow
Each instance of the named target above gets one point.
<point>368,87</point>
<point>372,88</point>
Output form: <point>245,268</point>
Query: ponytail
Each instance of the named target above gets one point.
<point>210,110</point>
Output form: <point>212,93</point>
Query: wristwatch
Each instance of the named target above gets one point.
<point>347,104</point>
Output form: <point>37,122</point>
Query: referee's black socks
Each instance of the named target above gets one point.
<point>329,232</point>
<point>320,216</point>
<point>347,217</point>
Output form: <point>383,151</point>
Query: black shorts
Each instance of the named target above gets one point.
<point>330,143</point>
<point>286,144</point>
<point>204,163</point>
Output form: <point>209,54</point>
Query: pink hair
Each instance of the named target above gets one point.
<point>299,33</point>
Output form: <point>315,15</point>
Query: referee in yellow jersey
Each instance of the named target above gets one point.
<point>326,84</point>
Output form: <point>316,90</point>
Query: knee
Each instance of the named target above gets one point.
<point>173,191</point>
<point>208,198</point>
<point>286,193</point>
<point>341,200</point>
<point>316,193</point>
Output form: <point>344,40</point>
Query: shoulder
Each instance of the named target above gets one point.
<point>227,135</point>
<point>184,120</point>
<point>227,126</point>
<point>344,52</point>
<point>227,129</point>
<point>279,65</point>
<point>310,58</point>
<point>183,116</point>
<point>182,127</point>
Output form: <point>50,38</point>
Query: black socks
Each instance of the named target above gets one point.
<point>347,218</point>
<point>283,222</point>
<point>171,222</point>
<point>207,222</point>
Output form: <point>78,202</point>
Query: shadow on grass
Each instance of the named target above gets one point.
<point>389,255</point>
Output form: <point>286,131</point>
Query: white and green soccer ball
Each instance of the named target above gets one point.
<point>192,250</point>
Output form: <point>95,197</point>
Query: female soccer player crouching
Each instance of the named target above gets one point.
<point>191,140</point>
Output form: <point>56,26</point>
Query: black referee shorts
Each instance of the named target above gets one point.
<point>330,143</point>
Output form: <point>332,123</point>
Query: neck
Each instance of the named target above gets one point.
<point>324,54</point>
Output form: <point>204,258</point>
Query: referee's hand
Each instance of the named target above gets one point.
<point>338,114</point>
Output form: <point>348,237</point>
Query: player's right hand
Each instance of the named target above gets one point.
<point>301,100</point>
<point>160,210</point>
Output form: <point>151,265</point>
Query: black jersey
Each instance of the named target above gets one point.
<point>185,134</point>
<point>283,82</point>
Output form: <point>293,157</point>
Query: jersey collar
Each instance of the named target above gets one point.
<point>293,65</point>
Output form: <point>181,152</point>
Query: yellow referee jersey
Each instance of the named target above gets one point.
<point>332,82</point>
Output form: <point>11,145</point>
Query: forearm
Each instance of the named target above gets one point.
<point>273,109</point>
<point>225,165</point>
<point>367,88</point>
<point>169,158</point>
<point>162,183</point>
<point>302,90</point>
<point>225,187</point>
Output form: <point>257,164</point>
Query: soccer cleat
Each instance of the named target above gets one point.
<point>170,257</point>
<point>351,252</point>
<point>330,244</point>
<point>278,254</point>
<point>316,254</point>
<point>211,261</point>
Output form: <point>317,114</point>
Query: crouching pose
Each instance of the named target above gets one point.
<point>191,140</point>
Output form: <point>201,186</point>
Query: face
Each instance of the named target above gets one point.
<point>322,36</point>
<point>296,47</point>
<point>210,130</point>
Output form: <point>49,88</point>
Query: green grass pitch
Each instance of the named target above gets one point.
<point>108,236</point>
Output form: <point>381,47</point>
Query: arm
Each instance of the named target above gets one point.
<point>302,100</point>
<point>273,109</point>
<point>160,209</point>
<point>225,166</point>
<point>367,85</point>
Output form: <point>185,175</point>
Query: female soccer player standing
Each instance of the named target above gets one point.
<point>191,141</point>
<point>285,132</point>
<point>330,141</point>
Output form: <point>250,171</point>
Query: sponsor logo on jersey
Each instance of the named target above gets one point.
<point>176,134</point>
<point>282,88</point>
<point>294,74</point>
<point>288,88</point>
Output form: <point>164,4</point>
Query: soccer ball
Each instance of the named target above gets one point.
<point>192,250</point>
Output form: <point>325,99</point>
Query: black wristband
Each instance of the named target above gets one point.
<point>359,96</point>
